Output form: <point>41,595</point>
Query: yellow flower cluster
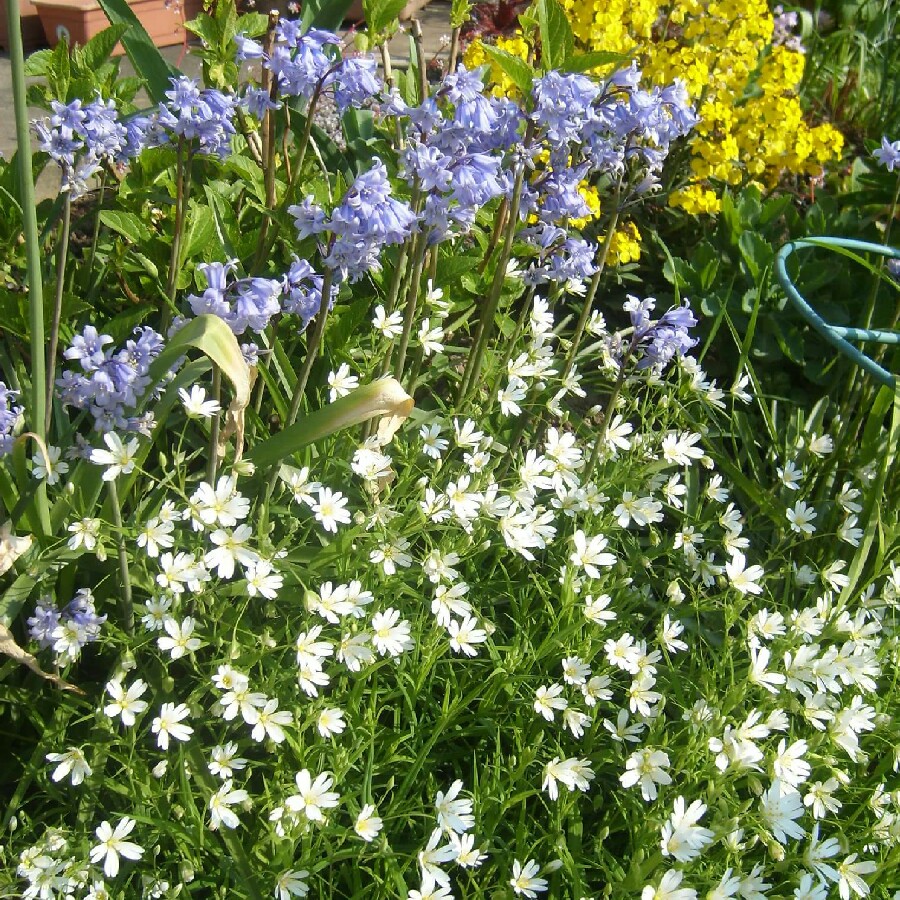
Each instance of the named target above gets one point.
<point>752,127</point>
<point>625,246</point>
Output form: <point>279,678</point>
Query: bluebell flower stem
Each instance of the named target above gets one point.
<point>600,440</point>
<point>213,461</point>
<point>592,291</point>
<point>486,320</point>
<point>312,348</point>
<point>182,193</point>
<point>62,254</point>
<point>126,607</point>
<point>412,303</point>
<point>95,237</point>
<point>32,246</point>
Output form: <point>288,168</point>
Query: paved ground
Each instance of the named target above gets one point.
<point>435,20</point>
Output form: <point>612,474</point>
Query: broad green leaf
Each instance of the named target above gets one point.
<point>596,59</point>
<point>38,63</point>
<point>380,14</point>
<point>459,12</point>
<point>384,398</point>
<point>211,336</point>
<point>98,49</point>
<point>557,40</point>
<point>200,236</point>
<point>252,24</point>
<point>521,74</point>
<point>125,223</point>
<point>143,53</point>
<point>757,253</point>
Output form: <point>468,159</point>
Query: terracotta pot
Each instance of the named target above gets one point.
<point>32,30</point>
<point>79,20</point>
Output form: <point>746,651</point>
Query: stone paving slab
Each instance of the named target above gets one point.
<point>434,18</point>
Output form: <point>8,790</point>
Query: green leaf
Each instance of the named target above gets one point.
<point>143,53</point>
<point>521,74</point>
<point>99,48</point>
<point>596,59</point>
<point>39,63</point>
<point>384,397</point>
<point>206,28</point>
<point>557,40</point>
<point>756,252</point>
<point>327,14</point>
<point>380,14</point>
<point>125,223</point>
<point>252,24</point>
<point>459,13</point>
<point>249,171</point>
<point>213,337</point>
<point>200,237</point>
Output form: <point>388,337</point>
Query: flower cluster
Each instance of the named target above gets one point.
<point>110,382</point>
<point>367,219</point>
<point>9,415</point>
<point>741,65</point>
<point>302,66</point>
<point>202,118</point>
<point>82,137</point>
<point>68,630</point>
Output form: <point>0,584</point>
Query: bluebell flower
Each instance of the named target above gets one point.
<point>247,48</point>
<point>888,154</point>
<point>563,103</point>
<point>657,343</point>
<point>43,622</point>
<point>242,303</point>
<point>110,381</point>
<point>355,82</point>
<point>257,101</point>
<point>9,415</point>
<point>302,289</point>
<point>201,116</point>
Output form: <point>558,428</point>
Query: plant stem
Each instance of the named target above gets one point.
<point>182,193</point>
<point>95,238</point>
<point>592,290</point>
<point>213,461</point>
<point>486,321</point>
<point>412,302</point>
<point>312,349</point>
<point>32,245</point>
<point>607,412</point>
<point>125,605</point>
<point>419,43</point>
<point>454,50</point>
<point>62,253</point>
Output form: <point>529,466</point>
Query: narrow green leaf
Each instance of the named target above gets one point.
<point>324,13</point>
<point>383,398</point>
<point>143,53</point>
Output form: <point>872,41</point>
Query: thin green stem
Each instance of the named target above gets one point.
<point>486,321</point>
<point>412,303</point>
<point>32,246</point>
<point>213,462</point>
<point>62,254</point>
<point>592,290</point>
<point>95,237</point>
<point>607,412</point>
<point>182,193</point>
<point>312,349</point>
<point>125,604</point>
